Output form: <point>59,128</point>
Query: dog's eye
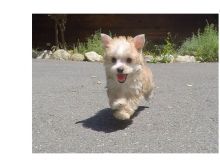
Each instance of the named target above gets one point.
<point>129,60</point>
<point>113,60</point>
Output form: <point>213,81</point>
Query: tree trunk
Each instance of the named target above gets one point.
<point>63,43</point>
<point>56,36</point>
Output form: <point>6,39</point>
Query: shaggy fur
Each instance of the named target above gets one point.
<point>128,78</point>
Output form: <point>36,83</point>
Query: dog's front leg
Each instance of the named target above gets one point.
<point>121,109</point>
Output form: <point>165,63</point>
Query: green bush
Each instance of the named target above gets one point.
<point>152,49</point>
<point>168,47</point>
<point>93,43</point>
<point>162,53</point>
<point>204,46</point>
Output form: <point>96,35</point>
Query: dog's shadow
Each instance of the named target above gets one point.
<point>104,121</point>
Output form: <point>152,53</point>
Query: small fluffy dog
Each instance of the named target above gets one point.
<point>128,78</point>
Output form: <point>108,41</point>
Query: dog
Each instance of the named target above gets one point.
<point>128,78</point>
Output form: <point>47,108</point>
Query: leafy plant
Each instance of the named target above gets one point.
<point>152,49</point>
<point>93,43</point>
<point>162,52</point>
<point>154,59</point>
<point>203,45</point>
<point>80,48</point>
<point>168,47</point>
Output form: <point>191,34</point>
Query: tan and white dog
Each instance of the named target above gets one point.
<point>128,78</point>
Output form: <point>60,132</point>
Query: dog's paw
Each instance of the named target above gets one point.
<point>119,103</point>
<point>121,115</point>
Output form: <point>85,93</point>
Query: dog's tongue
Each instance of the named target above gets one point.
<point>121,77</point>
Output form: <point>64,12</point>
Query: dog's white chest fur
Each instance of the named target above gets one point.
<point>136,87</point>
<point>129,88</point>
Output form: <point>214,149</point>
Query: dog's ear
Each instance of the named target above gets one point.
<point>105,40</point>
<point>139,41</point>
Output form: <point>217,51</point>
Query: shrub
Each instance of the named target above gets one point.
<point>162,53</point>
<point>93,43</point>
<point>168,47</point>
<point>204,46</point>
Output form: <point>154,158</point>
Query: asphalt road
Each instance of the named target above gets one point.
<point>70,112</point>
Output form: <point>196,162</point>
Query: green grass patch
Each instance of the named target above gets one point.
<point>203,45</point>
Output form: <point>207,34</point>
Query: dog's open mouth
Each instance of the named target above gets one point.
<point>121,77</point>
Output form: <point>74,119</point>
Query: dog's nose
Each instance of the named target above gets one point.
<point>120,70</point>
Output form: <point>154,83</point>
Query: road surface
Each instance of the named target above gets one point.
<point>70,112</point>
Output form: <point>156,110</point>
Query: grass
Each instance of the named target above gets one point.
<point>203,45</point>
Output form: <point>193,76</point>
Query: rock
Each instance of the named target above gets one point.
<point>158,58</point>
<point>167,58</point>
<point>148,58</point>
<point>70,52</point>
<point>46,54</point>
<point>40,55</point>
<point>99,82</point>
<point>77,57</point>
<point>185,59</point>
<point>171,57</point>
<point>93,56</point>
<point>35,54</point>
<point>61,54</point>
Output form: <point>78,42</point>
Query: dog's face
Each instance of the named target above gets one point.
<point>123,57</point>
